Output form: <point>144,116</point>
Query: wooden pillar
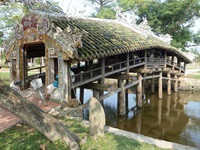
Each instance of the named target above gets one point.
<point>159,111</point>
<point>121,103</point>
<point>139,91</point>
<point>169,84</point>
<point>173,63</point>
<point>82,95</point>
<point>168,105</point>
<point>152,85</point>
<point>102,80</point>
<point>66,81</point>
<point>73,93</point>
<point>160,88</point>
<point>143,85</point>
<point>165,56</point>
<point>96,94</point>
<point>139,121</point>
<point>175,83</point>
<point>145,57</point>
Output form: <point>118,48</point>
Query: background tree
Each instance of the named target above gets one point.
<point>104,9</point>
<point>174,17</point>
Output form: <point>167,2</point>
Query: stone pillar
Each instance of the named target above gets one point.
<point>152,85</point>
<point>175,83</point>
<point>121,102</point>
<point>139,91</point>
<point>160,88</point>
<point>169,84</point>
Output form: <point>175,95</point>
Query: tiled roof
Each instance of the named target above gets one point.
<point>109,37</point>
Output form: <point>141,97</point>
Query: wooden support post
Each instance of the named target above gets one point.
<point>165,59</point>
<point>127,71</point>
<point>143,85</point>
<point>175,83</point>
<point>66,81</point>
<point>96,94</point>
<point>73,93</point>
<point>168,105</point>
<point>82,95</point>
<point>160,88</point>
<point>102,80</point>
<point>145,57</point>
<point>169,84</point>
<point>152,85</point>
<point>159,111</point>
<point>139,91</point>
<point>121,102</point>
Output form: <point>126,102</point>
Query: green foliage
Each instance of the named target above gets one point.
<point>24,137</point>
<point>172,17</point>
<point>106,12</point>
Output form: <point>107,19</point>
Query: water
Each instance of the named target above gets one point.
<point>175,118</point>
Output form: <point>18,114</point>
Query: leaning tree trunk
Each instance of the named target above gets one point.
<point>34,116</point>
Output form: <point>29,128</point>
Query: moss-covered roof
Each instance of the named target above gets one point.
<point>109,37</point>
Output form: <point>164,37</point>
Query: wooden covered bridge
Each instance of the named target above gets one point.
<point>93,49</point>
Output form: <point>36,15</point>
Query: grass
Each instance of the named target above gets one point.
<point>195,75</point>
<point>5,75</point>
<point>21,137</point>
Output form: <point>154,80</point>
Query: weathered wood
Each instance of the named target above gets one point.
<point>121,102</point>
<point>96,94</point>
<point>175,83</point>
<point>143,70</point>
<point>35,117</point>
<point>152,85</point>
<point>67,81</point>
<point>81,94</point>
<point>160,88</point>
<point>97,86</point>
<point>123,76</point>
<point>169,84</point>
<point>139,91</point>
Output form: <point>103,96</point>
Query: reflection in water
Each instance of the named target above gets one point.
<point>175,118</point>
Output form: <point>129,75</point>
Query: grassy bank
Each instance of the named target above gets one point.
<point>24,137</point>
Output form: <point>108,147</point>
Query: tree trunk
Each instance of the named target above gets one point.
<point>35,117</point>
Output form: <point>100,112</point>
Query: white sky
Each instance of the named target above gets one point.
<point>79,8</point>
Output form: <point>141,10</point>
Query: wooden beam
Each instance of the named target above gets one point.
<point>123,76</point>
<point>97,86</point>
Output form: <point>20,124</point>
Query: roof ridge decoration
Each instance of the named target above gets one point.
<point>143,28</point>
<point>69,38</point>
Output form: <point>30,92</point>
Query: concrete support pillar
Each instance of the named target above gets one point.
<point>160,88</point>
<point>175,83</point>
<point>169,84</point>
<point>82,95</point>
<point>121,102</point>
<point>139,91</point>
<point>152,85</point>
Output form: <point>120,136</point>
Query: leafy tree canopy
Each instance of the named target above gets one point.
<point>175,17</point>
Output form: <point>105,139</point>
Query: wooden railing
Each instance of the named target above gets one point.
<point>155,62</point>
<point>96,73</point>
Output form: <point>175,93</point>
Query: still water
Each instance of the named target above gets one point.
<point>175,118</point>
